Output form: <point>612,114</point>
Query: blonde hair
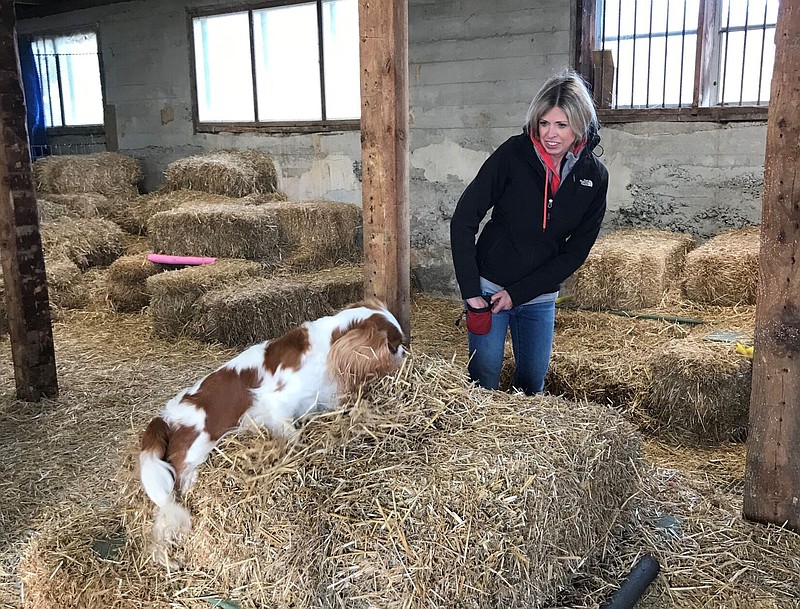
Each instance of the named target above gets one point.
<point>568,92</point>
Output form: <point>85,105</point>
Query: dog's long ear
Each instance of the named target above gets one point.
<point>364,350</point>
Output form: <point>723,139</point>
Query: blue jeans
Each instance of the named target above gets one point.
<point>532,338</point>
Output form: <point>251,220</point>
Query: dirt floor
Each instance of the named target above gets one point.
<point>114,374</point>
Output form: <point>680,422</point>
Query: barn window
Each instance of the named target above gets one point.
<point>285,67</point>
<point>69,77</point>
<point>681,59</point>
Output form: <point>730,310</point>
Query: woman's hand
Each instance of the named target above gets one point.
<point>477,302</point>
<point>501,301</point>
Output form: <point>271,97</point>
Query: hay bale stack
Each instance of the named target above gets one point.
<point>630,269</point>
<point>249,311</point>
<point>107,173</point>
<point>234,173</point>
<point>724,270</point>
<point>423,491</point>
<point>173,293</point>
<point>306,235</point>
<point>86,241</point>
<point>700,387</point>
<point>126,287</point>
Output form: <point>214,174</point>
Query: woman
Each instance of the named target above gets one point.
<point>547,193</point>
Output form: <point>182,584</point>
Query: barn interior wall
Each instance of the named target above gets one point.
<point>473,67</point>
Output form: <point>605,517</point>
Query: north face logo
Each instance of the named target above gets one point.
<point>587,183</point>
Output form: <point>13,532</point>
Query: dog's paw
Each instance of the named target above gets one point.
<point>165,554</point>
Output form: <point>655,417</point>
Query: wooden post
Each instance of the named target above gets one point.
<point>772,474</point>
<point>603,79</point>
<point>585,19</point>
<point>27,303</point>
<point>383,29</point>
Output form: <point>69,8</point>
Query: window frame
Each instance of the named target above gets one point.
<point>585,32</point>
<point>276,127</point>
<point>96,129</point>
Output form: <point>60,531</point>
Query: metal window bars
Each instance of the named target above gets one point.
<point>683,53</point>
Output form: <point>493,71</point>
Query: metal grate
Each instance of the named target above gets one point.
<point>684,53</point>
<point>87,147</point>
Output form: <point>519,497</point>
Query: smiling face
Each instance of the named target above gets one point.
<point>555,134</point>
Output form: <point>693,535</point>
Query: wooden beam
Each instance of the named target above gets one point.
<point>383,30</point>
<point>772,473</point>
<point>27,303</point>
<point>603,79</point>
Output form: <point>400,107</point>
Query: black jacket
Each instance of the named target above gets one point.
<point>514,250</point>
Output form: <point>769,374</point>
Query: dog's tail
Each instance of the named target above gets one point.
<point>158,480</point>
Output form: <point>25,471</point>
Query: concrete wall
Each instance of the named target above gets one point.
<point>474,66</point>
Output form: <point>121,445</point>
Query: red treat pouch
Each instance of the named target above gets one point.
<point>479,321</point>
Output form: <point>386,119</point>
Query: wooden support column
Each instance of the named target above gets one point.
<point>27,303</point>
<point>383,29</point>
<point>772,475</point>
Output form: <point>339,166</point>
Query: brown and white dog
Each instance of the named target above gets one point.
<point>271,384</point>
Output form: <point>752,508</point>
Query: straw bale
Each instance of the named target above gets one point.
<point>423,491</point>
<point>320,233</point>
<point>630,269</point>
<point>82,205</point>
<point>108,173</point>
<point>700,387</point>
<point>65,284</point>
<point>724,270</point>
<point>234,173</point>
<point>251,310</point>
<point>305,235</point>
<point>135,215</point>
<point>173,293</point>
<point>136,244</point>
<point>86,241</point>
<point>95,284</point>
<point>603,357</point>
<point>223,231</point>
<point>607,357</point>
<point>126,287</point>
<point>50,211</point>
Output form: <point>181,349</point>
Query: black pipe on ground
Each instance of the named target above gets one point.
<point>634,586</point>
